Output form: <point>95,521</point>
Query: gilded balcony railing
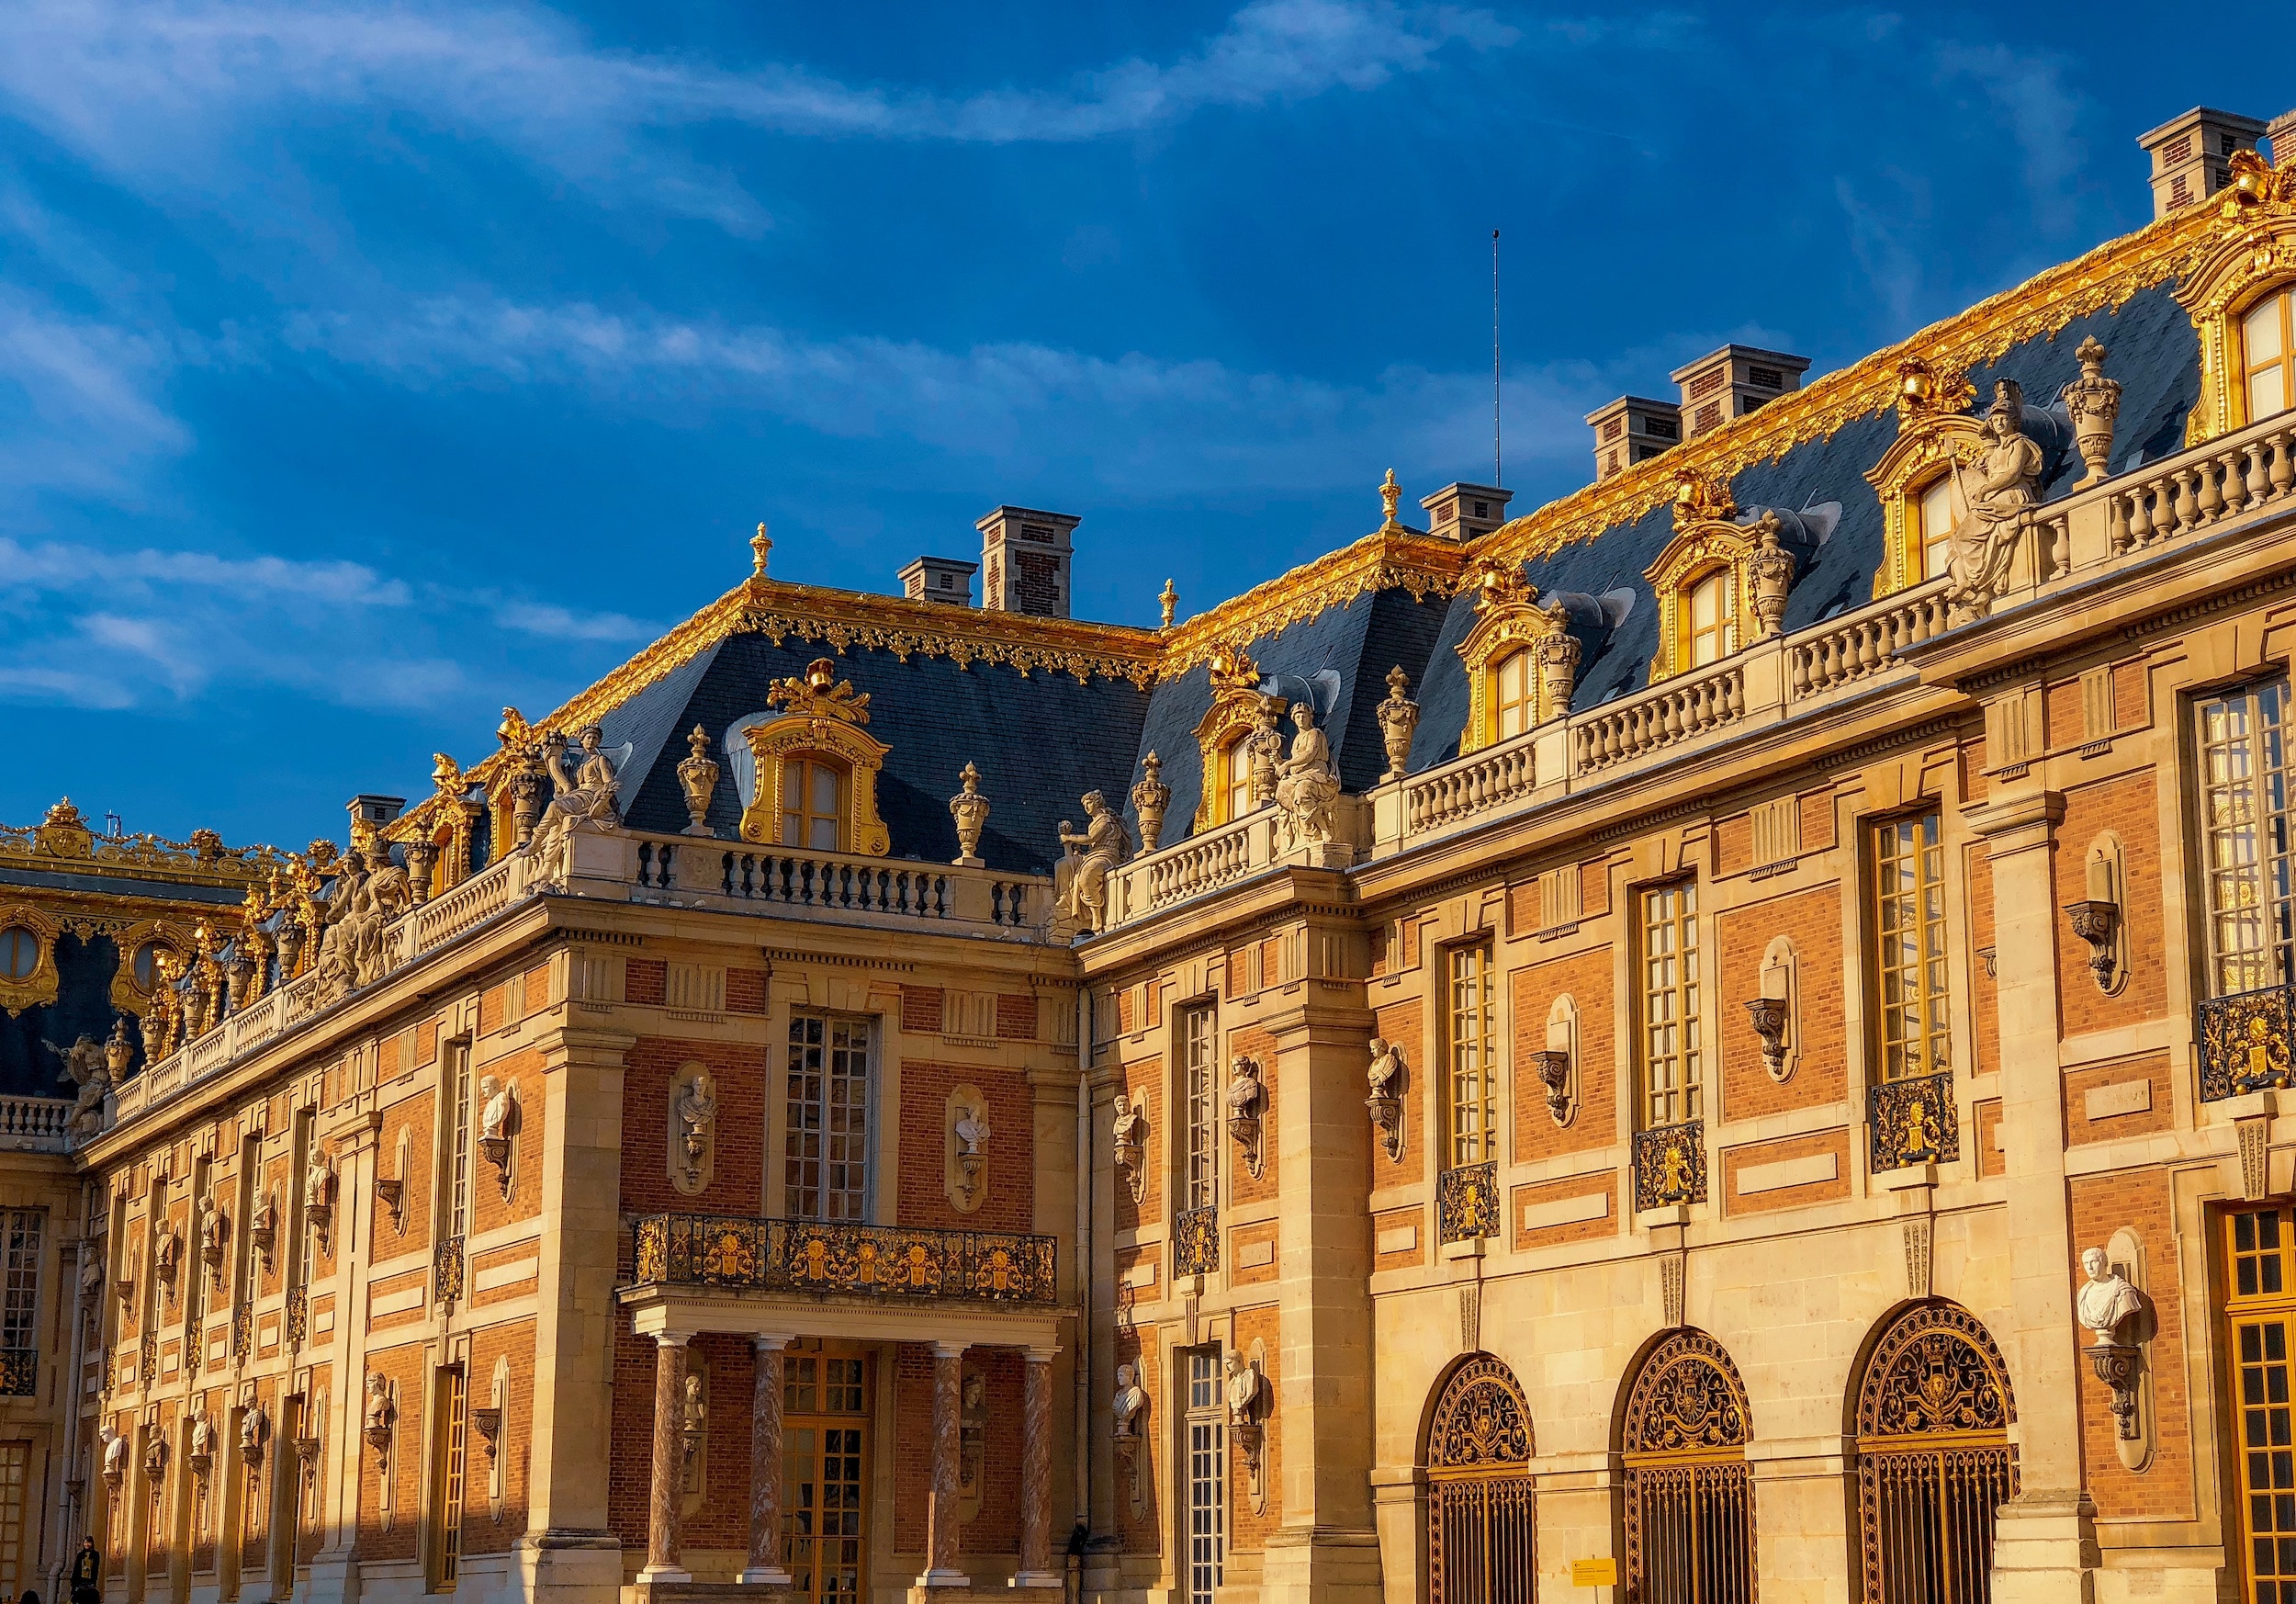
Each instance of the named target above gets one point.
<point>1671,1165</point>
<point>2247,1042</point>
<point>1912,1120</point>
<point>20,1372</point>
<point>821,1256</point>
<point>1466,1201</point>
<point>1196,1242</point>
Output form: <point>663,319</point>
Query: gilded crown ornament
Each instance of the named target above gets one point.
<point>1701,499</point>
<point>819,695</point>
<point>1498,583</point>
<point>1924,388</point>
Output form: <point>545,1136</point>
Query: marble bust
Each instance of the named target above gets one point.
<point>2106,1300</point>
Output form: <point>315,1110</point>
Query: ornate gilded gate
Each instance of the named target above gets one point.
<point>1479,1489</point>
<point>1933,1458</point>
<point>1689,1492</point>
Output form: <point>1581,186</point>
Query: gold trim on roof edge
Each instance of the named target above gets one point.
<point>1394,557</point>
<point>2105,276</point>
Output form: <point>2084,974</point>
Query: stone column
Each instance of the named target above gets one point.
<point>765,1466</point>
<point>943,1551</point>
<point>1036,1473</point>
<point>1324,1550</point>
<point>670,1460</point>
<point>2045,1543</point>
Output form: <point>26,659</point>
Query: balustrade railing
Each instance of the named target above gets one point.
<point>41,1124</point>
<point>1490,778</point>
<point>2241,474</point>
<point>2247,1042</point>
<point>1859,644</point>
<point>894,1262</point>
<point>1675,710</point>
<point>1912,1120</point>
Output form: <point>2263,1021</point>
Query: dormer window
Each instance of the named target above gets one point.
<point>1235,776</point>
<point>1933,526</point>
<point>2267,350</point>
<point>1513,696</point>
<point>813,793</point>
<point>1710,618</point>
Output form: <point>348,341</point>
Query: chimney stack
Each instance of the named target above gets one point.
<point>2193,155</point>
<point>1025,554</point>
<point>939,579</point>
<point>1731,382</point>
<point>1632,429</point>
<point>1465,511</point>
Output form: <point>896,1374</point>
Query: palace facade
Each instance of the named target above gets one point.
<point>1723,1037</point>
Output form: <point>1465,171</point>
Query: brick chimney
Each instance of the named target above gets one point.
<point>1731,382</point>
<point>2192,154</point>
<point>939,579</point>
<point>1024,559</point>
<point>1632,429</point>
<point>1465,511</point>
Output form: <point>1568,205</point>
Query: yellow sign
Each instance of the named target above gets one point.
<point>1594,1573</point>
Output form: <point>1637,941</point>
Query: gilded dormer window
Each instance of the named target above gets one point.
<point>811,779</point>
<point>1914,478</point>
<point>1705,578</point>
<point>1709,618</point>
<point>1238,728</point>
<point>2240,296</point>
<point>1521,661</point>
<point>2268,350</point>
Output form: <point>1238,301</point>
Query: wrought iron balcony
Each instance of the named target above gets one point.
<point>1671,1165</point>
<point>1466,1201</point>
<point>893,1262</point>
<point>1196,1242</point>
<point>20,1372</point>
<point>2246,1041</point>
<point>1912,1120</point>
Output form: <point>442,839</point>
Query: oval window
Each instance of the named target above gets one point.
<point>19,952</point>
<point>147,965</point>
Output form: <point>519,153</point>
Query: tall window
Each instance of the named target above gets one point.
<point>823,1495</point>
<point>1673,1048</point>
<point>450,1394</point>
<point>2245,825</point>
<point>1200,1054</point>
<point>1909,956</point>
<point>1514,686</point>
<point>15,1459</point>
<point>2260,1312</point>
<point>19,1279</point>
<point>1934,539</point>
<point>1207,1477</point>
<point>1235,774</point>
<point>1713,608</point>
<point>827,1170</point>
<point>2268,354</point>
<point>458,1132</point>
<point>1474,1098</point>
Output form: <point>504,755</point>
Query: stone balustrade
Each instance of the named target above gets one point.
<point>627,865</point>
<point>36,1125</point>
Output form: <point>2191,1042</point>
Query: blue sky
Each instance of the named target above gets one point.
<point>364,369</point>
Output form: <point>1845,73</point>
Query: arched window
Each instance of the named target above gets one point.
<point>813,793</point>
<point>1479,1488</point>
<point>1235,778</point>
<point>2267,354</point>
<point>1710,618</point>
<point>1933,527</point>
<point>1513,696</point>
<point>1687,1487</point>
<point>19,952</point>
<point>1933,1457</point>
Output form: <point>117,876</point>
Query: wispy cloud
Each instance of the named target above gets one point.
<point>555,623</point>
<point>2028,89</point>
<point>1148,423</point>
<point>158,88</point>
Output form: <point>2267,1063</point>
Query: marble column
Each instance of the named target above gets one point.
<point>669,1461</point>
<point>943,1532</point>
<point>765,1467</point>
<point>1036,1473</point>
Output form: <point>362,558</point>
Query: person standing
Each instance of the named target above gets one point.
<point>87,1572</point>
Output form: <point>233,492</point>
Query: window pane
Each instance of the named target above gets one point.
<point>2268,390</point>
<point>1909,959</point>
<point>1473,1069</point>
<point>1198,1053</point>
<point>1935,535</point>
<point>2245,847</point>
<point>824,789</point>
<point>1672,1056</point>
<point>2261,330</point>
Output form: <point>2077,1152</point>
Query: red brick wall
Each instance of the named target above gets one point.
<point>2138,1199</point>
<point>1245,1529</point>
<point>404,1365</point>
<point>1244,1189</point>
<point>736,1182</point>
<point>1143,1082</point>
<point>1010,1203</point>
<point>1586,977</point>
<point>1016,1018</point>
<point>1737,1159</point>
<point>2152,1068</point>
<point>2130,808</point>
<point>921,1010</point>
<point>488,1207</point>
<point>1602,1184</point>
<point>745,991</point>
<point>483,1531</point>
<point>1403,1025</point>
<point>644,980</point>
<point>1812,921</point>
<point>1985,1053</point>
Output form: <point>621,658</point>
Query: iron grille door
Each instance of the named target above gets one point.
<point>1478,1540</point>
<point>1689,1533</point>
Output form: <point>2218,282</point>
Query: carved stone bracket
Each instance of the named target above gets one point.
<point>392,1190</point>
<point>1246,1399</point>
<point>1553,1068</point>
<point>489,1421</point>
<point>965,1120</point>
<point>2116,1364</point>
<point>498,1128</point>
<point>2096,923</point>
<point>1768,1015</point>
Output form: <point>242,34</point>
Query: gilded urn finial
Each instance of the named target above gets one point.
<point>761,547</point>
<point>1170,598</point>
<point>1390,496</point>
